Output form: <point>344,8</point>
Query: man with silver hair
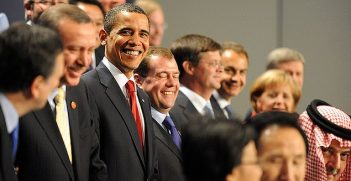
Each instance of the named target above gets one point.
<point>289,60</point>
<point>328,130</point>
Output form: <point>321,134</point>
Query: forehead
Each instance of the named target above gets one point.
<point>211,55</point>
<point>291,65</point>
<point>131,20</point>
<point>159,63</point>
<point>230,57</point>
<point>71,31</point>
<point>335,145</point>
<point>90,8</point>
<point>281,141</point>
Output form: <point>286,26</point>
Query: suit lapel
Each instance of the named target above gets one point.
<point>166,139</point>
<point>73,125</point>
<point>117,98</point>
<point>189,109</point>
<point>47,121</point>
<point>216,108</point>
<point>6,165</point>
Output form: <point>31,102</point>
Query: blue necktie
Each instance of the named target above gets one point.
<point>169,124</point>
<point>14,139</point>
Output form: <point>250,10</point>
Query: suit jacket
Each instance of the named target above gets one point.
<point>120,144</point>
<point>99,54</point>
<point>184,111</point>
<point>7,172</point>
<point>169,156</point>
<point>216,108</point>
<point>42,154</point>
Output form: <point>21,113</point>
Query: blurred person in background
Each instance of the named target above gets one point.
<point>157,20</point>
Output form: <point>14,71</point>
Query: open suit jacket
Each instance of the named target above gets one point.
<point>42,155</point>
<point>120,145</point>
<point>169,156</point>
<point>7,172</point>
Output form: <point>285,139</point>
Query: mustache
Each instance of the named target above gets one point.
<point>332,171</point>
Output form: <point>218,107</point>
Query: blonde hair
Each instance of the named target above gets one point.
<point>274,77</point>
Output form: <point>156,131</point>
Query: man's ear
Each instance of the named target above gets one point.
<point>103,37</point>
<point>36,86</point>
<point>188,67</point>
<point>138,80</point>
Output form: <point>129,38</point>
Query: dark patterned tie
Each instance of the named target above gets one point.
<point>169,124</point>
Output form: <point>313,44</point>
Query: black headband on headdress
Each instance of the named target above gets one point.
<point>324,123</point>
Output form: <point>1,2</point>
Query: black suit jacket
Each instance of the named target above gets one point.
<point>169,156</point>
<point>120,144</point>
<point>99,54</point>
<point>7,172</point>
<point>41,153</point>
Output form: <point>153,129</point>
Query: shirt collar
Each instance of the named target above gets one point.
<point>221,101</point>
<point>158,116</point>
<point>10,113</point>
<point>118,75</point>
<point>198,101</point>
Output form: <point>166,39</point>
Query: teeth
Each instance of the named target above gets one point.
<point>132,52</point>
<point>167,93</point>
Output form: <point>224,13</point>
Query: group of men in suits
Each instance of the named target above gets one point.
<point>109,128</point>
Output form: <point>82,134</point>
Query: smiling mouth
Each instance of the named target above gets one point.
<point>132,52</point>
<point>168,92</point>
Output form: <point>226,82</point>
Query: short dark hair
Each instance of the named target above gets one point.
<point>25,53</point>
<point>189,47</point>
<point>91,2</point>
<point>211,149</point>
<point>52,16</point>
<point>236,47</point>
<point>264,120</point>
<point>111,19</point>
<point>143,68</point>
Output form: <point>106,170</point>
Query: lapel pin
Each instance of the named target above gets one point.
<point>73,105</point>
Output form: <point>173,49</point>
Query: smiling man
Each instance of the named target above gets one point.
<point>158,75</point>
<point>198,59</point>
<point>124,109</point>
<point>59,142</point>
<point>235,61</point>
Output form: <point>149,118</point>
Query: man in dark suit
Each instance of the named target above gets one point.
<point>158,76</point>
<point>235,61</point>
<point>30,68</point>
<point>198,58</point>
<point>59,141</point>
<point>126,132</point>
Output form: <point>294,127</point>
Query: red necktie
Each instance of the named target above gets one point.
<point>133,105</point>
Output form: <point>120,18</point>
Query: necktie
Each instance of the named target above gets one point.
<point>14,139</point>
<point>208,112</point>
<point>169,124</point>
<point>133,105</point>
<point>62,122</point>
<point>229,111</point>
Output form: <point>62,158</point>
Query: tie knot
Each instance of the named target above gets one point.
<point>130,86</point>
<point>168,122</point>
<point>60,97</point>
